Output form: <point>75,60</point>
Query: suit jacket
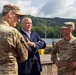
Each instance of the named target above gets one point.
<point>26,66</point>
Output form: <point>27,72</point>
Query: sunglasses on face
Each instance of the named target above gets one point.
<point>18,16</point>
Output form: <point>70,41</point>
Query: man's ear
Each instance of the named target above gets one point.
<point>70,30</point>
<point>10,13</point>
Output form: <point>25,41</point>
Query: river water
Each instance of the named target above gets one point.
<point>50,40</point>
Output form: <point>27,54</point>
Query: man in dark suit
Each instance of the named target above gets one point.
<point>33,65</point>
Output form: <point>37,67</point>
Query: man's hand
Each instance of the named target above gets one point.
<point>29,43</point>
<point>58,64</point>
<point>72,65</point>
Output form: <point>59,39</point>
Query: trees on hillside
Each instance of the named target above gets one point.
<point>47,26</point>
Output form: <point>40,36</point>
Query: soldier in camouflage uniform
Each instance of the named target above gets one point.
<point>13,48</point>
<point>66,49</point>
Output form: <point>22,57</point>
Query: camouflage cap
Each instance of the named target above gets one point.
<point>14,8</point>
<point>69,25</point>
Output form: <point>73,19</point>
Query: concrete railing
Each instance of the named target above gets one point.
<point>48,68</point>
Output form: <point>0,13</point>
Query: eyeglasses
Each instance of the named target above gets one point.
<point>18,16</point>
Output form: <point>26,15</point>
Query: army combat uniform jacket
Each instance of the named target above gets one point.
<point>12,45</point>
<point>67,53</point>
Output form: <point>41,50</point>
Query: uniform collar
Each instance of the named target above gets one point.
<point>70,40</point>
<point>4,22</point>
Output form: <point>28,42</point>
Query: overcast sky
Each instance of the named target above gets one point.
<point>45,8</point>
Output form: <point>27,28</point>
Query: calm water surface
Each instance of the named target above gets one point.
<point>50,40</point>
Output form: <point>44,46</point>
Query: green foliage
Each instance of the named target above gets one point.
<point>18,26</point>
<point>50,25</point>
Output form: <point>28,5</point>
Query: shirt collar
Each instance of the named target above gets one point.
<point>28,33</point>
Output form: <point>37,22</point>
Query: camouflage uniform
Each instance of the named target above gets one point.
<point>67,53</point>
<point>11,44</point>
